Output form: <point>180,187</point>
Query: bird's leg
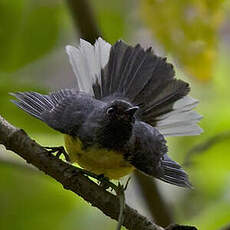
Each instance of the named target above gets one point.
<point>59,151</point>
<point>120,191</point>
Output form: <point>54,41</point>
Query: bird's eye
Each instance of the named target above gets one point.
<point>110,110</point>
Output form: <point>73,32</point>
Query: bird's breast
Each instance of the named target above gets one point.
<point>99,160</point>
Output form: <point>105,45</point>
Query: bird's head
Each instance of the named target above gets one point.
<point>121,111</point>
<point>115,128</point>
<point>112,123</point>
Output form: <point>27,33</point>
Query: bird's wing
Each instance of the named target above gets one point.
<point>141,77</point>
<point>64,110</point>
<point>147,151</point>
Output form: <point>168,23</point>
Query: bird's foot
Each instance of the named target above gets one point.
<point>103,181</point>
<point>59,151</point>
<point>119,189</point>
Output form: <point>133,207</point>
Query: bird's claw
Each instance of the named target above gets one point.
<point>59,151</point>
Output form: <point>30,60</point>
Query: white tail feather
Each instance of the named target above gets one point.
<point>182,121</point>
<point>87,61</point>
<point>186,102</point>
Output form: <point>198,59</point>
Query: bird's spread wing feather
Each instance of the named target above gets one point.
<point>139,76</point>
<point>147,151</point>
<point>64,110</point>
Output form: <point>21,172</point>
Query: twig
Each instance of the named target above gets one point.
<point>180,227</point>
<point>153,198</point>
<point>84,19</point>
<point>204,146</point>
<point>227,227</point>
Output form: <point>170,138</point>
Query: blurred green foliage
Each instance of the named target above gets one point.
<point>29,30</point>
<point>111,18</point>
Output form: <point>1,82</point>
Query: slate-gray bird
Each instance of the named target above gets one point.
<point>126,100</point>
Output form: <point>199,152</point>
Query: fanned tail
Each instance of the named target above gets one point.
<point>148,81</point>
<point>135,74</point>
<point>139,76</point>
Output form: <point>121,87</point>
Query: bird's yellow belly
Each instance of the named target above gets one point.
<point>97,160</point>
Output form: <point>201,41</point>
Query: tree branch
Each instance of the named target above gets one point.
<point>227,227</point>
<point>84,19</point>
<point>204,146</point>
<point>162,214</point>
<point>180,227</point>
<point>70,177</point>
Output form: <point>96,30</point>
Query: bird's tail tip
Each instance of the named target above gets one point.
<point>173,173</point>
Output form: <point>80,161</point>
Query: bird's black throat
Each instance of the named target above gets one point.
<point>114,134</point>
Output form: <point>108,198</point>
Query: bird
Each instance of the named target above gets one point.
<point>125,102</point>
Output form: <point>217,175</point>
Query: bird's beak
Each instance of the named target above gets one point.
<point>131,111</point>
